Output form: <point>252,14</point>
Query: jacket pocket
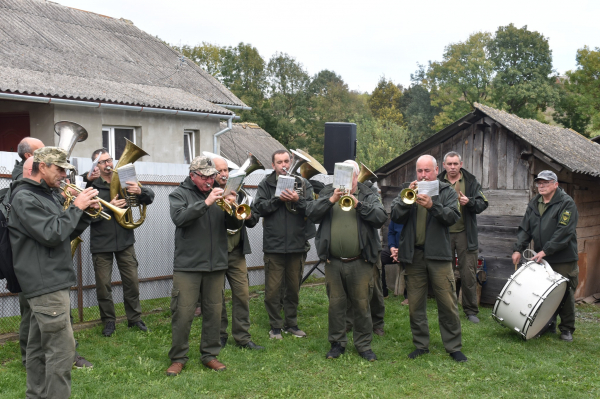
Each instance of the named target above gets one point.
<point>174,299</point>
<point>50,318</point>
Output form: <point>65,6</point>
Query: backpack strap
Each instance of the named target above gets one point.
<point>34,189</point>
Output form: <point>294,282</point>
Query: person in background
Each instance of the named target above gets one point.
<point>389,259</point>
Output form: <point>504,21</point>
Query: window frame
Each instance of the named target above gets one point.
<point>111,137</point>
<point>191,144</point>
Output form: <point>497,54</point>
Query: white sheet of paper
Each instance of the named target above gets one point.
<point>234,183</point>
<point>284,183</point>
<point>127,173</point>
<point>94,164</point>
<point>79,182</point>
<point>430,188</point>
<point>342,176</point>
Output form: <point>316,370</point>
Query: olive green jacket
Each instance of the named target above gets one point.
<point>283,231</point>
<point>17,172</point>
<point>370,217</point>
<point>108,235</point>
<point>443,214</point>
<point>200,230</point>
<point>40,237</point>
<point>477,204</point>
<point>554,232</point>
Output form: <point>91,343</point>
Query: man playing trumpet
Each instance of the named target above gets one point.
<point>109,239</point>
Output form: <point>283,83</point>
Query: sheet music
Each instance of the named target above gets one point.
<point>234,183</point>
<point>430,188</point>
<point>283,183</point>
<point>94,164</point>
<point>127,173</point>
<point>79,182</point>
<point>342,176</point>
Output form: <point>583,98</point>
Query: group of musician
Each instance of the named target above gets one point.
<point>211,244</point>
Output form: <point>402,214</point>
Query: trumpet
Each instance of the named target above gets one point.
<point>346,201</point>
<point>409,196</point>
<point>118,212</point>
<point>240,211</point>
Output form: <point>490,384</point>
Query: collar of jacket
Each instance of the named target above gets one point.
<point>466,175</point>
<point>20,163</point>
<point>272,179</point>
<point>557,197</point>
<point>41,184</point>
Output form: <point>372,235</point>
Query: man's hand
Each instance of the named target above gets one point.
<point>538,257</point>
<point>119,203</point>
<point>85,199</point>
<point>335,197</point>
<point>215,194</point>
<point>424,200</point>
<point>289,196</point>
<point>413,185</point>
<point>394,252</point>
<point>516,258</point>
<point>463,199</point>
<point>94,175</point>
<point>354,199</point>
<point>231,197</point>
<point>133,188</point>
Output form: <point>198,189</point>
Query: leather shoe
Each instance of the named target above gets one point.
<point>174,369</point>
<point>215,365</point>
<point>472,318</point>
<point>139,324</point>
<point>223,342</point>
<point>566,336</point>
<point>252,345</point>
<point>368,355</point>
<point>109,329</point>
<point>379,331</point>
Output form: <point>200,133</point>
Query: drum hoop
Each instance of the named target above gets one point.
<point>501,295</point>
<point>536,308</point>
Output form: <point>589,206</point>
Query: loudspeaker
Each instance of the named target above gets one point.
<point>340,144</point>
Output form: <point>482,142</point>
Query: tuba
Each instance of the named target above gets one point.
<point>311,168</point>
<point>242,210</point>
<point>69,134</point>
<point>366,174</point>
<point>299,160</point>
<point>74,245</point>
<point>131,154</point>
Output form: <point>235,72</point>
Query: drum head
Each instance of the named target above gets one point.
<point>547,310</point>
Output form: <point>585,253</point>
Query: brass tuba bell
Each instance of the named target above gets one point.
<point>251,164</point>
<point>131,154</point>
<point>312,167</point>
<point>69,134</point>
<point>366,174</point>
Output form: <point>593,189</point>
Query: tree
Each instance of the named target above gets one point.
<point>522,59</point>
<point>378,142</point>
<point>384,101</point>
<point>419,113</point>
<point>243,71</point>
<point>579,108</point>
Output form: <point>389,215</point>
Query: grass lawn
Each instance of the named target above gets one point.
<point>132,364</point>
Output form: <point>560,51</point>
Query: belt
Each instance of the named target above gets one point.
<point>420,247</point>
<point>346,260</point>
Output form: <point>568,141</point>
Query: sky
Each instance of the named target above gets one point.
<point>360,40</point>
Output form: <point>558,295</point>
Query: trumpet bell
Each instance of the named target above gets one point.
<point>243,212</point>
<point>408,196</point>
<point>346,203</point>
<point>69,134</point>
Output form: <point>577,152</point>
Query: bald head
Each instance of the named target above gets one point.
<point>427,169</point>
<point>222,170</point>
<point>27,168</point>
<point>27,147</point>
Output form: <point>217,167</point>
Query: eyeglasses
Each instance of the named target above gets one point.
<point>204,178</point>
<point>109,160</point>
<point>544,183</point>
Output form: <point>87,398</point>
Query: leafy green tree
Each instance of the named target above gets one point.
<point>579,108</point>
<point>379,141</point>
<point>243,71</point>
<point>419,113</point>
<point>208,56</point>
<point>522,60</point>
<point>384,101</point>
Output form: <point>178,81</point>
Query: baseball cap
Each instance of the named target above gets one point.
<point>52,156</point>
<point>546,175</point>
<point>203,165</point>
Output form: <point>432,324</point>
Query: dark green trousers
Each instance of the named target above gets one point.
<point>441,276</point>
<point>50,346</point>
<point>24,326</point>
<point>184,297</point>
<point>352,281</point>
<point>376,303</point>
<point>237,275</point>
<point>280,267</point>
<point>128,268</point>
<point>467,268</point>
<point>569,270</point>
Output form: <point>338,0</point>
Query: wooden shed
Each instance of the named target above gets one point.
<point>505,153</point>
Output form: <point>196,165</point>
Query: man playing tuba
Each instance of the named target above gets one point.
<point>109,239</point>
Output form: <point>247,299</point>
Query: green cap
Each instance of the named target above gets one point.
<point>203,165</point>
<point>52,156</point>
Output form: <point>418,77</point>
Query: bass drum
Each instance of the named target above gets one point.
<point>530,299</point>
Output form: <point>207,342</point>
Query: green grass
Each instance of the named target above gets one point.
<point>132,364</point>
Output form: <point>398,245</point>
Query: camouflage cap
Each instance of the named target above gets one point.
<point>52,156</point>
<point>203,165</point>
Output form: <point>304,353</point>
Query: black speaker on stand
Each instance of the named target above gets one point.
<point>340,144</point>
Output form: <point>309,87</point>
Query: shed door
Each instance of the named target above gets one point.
<point>13,128</point>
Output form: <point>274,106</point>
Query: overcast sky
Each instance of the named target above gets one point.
<point>359,40</point>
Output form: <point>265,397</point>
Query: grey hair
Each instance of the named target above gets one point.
<point>453,154</point>
<point>431,158</point>
<point>23,148</point>
<point>354,165</point>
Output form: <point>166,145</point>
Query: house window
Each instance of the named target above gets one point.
<point>188,146</point>
<point>113,138</point>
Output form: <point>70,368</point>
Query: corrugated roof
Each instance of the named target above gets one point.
<point>57,51</point>
<point>246,138</point>
<point>565,146</point>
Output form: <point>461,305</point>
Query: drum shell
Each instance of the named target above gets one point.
<point>530,298</point>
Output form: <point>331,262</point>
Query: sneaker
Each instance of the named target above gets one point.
<point>368,355</point>
<point>379,331</point>
<point>81,363</point>
<point>252,345</point>
<point>139,324</point>
<point>472,318</point>
<point>275,333</point>
<point>336,351</point>
<point>566,336</point>
<point>295,331</point>
<point>109,329</point>
<point>458,357</point>
<point>174,369</point>
<point>417,352</point>
<point>223,342</point>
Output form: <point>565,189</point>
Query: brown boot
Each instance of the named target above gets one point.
<point>215,365</point>
<point>175,369</point>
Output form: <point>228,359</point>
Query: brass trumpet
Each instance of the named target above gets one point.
<point>346,201</point>
<point>240,211</point>
<point>409,196</point>
<point>118,212</point>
